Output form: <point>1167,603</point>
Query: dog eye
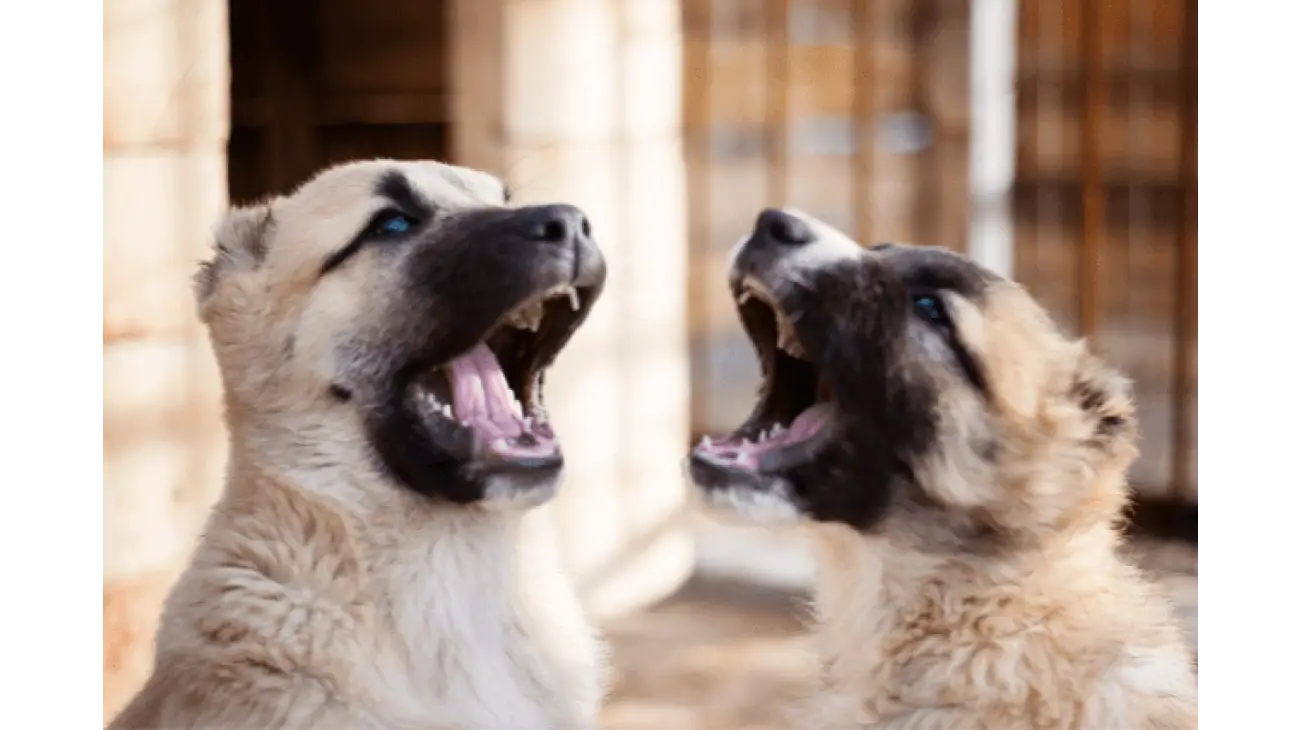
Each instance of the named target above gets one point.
<point>930,308</point>
<point>392,224</point>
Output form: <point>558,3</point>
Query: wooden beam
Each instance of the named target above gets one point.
<point>927,201</point>
<point>379,107</point>
<point>1093,230</point>
<point>864,117</point>
<point>289,36</point>
<point>1185,314</point>
<point>778,101</point>
<point>696,80</point>
<point>478,49</point>
<point>1025,209</point>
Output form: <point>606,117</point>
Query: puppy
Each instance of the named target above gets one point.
<point>382,335</point>
<point>961,468</point>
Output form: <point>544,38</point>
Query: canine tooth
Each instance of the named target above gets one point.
<point>706,442</point>
<point>574,303</point>
<point>778,429</point>
<point>527,318</point>
<point>446,410</point>
<point>516,407</point>
<point>744,296</point>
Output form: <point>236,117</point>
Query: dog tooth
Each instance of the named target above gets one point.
<point>744,296</point>
<point>706,442</point>
<point>574,302</point>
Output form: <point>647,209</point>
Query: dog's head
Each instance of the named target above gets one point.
<point>909,391</point>
<point>404,306</point>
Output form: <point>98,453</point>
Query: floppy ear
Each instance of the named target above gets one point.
<point>241,238</point>
<point>1106,399</point>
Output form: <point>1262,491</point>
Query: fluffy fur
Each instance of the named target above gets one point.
<point>333,587</point>
<point>962,495</point>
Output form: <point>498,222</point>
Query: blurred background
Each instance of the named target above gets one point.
<point>1053,140</point>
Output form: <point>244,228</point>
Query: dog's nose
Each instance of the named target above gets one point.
<point>783,228</point>
<point>561,224</point>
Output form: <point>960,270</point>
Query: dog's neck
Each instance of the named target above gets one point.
<point>450,605</point>
<point>875,601</point>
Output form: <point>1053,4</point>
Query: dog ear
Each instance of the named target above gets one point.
<point>241,238</point>
<point>1106,399</point>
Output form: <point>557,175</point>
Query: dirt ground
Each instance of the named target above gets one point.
<point>724,654</point>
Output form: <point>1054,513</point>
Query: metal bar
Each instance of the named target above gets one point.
<point>777,41</point>
<point>1185,316</point>
<point>1093,228</point>
<point>696,41</point>
<point>864,117</point>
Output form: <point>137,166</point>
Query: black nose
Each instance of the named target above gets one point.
<point>782,227</point>
<point>556,223</point>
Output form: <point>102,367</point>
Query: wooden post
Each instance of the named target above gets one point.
<point>696,116</point>
<point>927,202</point>
<point>289,36</point>
<point>1093,230</point>
<point>777,40</point>
<point>165,125</point>
<point>993,133</point>
<point>864,117</point>
<point>580,101</point>
<point>1185,322</point>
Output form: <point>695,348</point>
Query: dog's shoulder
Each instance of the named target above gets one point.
<point>260,623</point>
<point>190,692</point>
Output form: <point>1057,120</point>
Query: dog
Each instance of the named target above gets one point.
<point>382,335</point>
<point>959,465</point>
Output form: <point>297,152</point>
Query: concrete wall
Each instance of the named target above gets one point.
<point>165,123</point>
<point>580,101</point>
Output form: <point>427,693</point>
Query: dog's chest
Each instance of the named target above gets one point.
<point>459,659</point>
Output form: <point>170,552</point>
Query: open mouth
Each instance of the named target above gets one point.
<point>794,409</point>
<point>486,404</point>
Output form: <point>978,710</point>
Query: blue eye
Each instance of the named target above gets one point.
<point>930,308</point>
<point>393,224</point>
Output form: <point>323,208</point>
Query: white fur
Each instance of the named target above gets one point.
<point>505,493</point>
<point>769,506</point>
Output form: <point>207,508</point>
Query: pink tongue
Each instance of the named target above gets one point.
<point>808,422</point>
<point>803,427</point>
<point>482,398</point>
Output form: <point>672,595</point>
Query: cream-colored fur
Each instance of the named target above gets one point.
<point>964,522</point>
<point>321,595</point>
<point>1070,637</point>
<point>1050,628</point>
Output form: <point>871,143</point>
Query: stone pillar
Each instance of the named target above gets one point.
<point>580,101</point>
<point>166,91</point>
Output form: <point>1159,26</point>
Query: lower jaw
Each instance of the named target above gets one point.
<point>709,467</point>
